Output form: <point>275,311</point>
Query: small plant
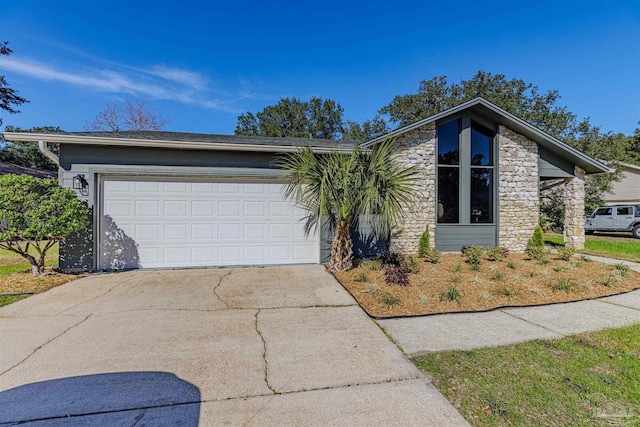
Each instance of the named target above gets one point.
<point>433,271</point>
<point>390,258</point>
<point>493,267</point>
<point>473,254</point>
<point>537,239</point>
<point>477,280</point>
<point>375,265</point>
<point>395,275</point>
<point>495,406</point>
<point>433,256</point>
<point>455,279</point>
<point>544,272</point>
<point>513,278</point>
<point>424,300</point>
<point>424,246</point>
<point>537,253</point>
<point>577,264</point>
<point>611,281</point>
<point>372,289</point>
<point>362,278</point>
<point>389,300</point>
<point>566,253</point>
<point>423,282</point>
<point>485,296</point>
<point>531,274</point>
<point>497,276</point>
<point>512,265</point>
<point>410,264</point>
<point>475,267</point>
<point>457,268</point>
<point>584,258</point>
<point>564,285</point>
<point>544,261</point>
<point>450,295</point>
<point>496,253</point>
<point>558,268</point>
<point>506,291</point>
<point>622,269</point>
<point>537,291</point>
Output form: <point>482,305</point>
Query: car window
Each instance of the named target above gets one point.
<point>627,210</point>
<point>603,211</point>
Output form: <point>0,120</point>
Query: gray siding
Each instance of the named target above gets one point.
<point>552,166</point>
<point>451,238</point>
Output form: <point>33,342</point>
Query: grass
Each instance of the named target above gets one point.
<point>11,262</point>
<point>8,299</point>
<point>624,248</point>
<point>582,380</point>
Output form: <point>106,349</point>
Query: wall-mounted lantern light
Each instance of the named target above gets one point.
<point>81,184</point>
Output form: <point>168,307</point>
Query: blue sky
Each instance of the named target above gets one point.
<point>203,63</point>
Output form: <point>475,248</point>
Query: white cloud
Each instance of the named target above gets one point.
<point>157,82</point>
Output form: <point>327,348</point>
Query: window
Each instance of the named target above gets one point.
<point>627,210</point>
<point>465,168</point>
<point>603,211</point>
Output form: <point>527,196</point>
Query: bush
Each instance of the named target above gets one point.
<point>390,258</point>
<point>389,300</point>
<point>451,294</point>
<point>410,264</point>
<point>395,275</point>
<point>537,239</point>
<point>433,256</point>
<point>474,254</point>
<point>537,253</point>
<point>566,253</point>
<point>424,246</point>
<point>496,253</point>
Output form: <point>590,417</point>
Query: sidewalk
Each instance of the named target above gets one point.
<point>466,331</point>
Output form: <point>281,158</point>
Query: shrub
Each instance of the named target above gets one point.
<point>506,291</point>
<point>457,268</point>
<point>622,269</point>
<point>512,265</point>
<point>537,239</point>
<point>390,258</point>
<point>474,254</point>
<point>537,253</point>
<point>375,265</point>
<point>475,267</point>
<point>564,285</point>
<point>433,256</point>
<point>389,300</point>
<point>373,289</point>
<point>451,294</point>
<point>424,246</point>
<point>396,275</point>
<point>496,253</point>
<point>410,264</point>
<point>566,253</point>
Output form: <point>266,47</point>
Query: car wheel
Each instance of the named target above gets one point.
<point>636,231</point>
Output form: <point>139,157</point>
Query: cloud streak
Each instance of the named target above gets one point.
<point>156,82</point>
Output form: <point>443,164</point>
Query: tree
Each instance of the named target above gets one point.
<point>27,153</point>
<point>9,98</point>
<point>129,115</point>
<point>341,186</point>
<point>369,129</point>
<point>294,118</point>
<point>36,214</point>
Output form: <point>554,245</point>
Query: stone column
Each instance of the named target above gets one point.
<point>574,210</point>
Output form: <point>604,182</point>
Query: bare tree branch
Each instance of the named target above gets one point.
<point>130,115</point>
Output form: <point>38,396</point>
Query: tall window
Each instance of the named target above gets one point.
<point>465,172</point>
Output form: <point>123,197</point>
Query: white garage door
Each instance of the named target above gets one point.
<point>150,222</point>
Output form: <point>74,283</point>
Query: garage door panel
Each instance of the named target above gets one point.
<point>178,222</point>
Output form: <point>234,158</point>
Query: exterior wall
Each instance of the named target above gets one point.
<point>574,210</point>
<point>418,148</point>
<point>519,203</point>
<point>627,190</point>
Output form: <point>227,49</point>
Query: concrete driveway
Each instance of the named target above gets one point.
<point>247,346</point>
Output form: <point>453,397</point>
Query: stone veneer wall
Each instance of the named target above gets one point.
<point>519,202</point>
<point>574,210</point>
<point>418,148</point>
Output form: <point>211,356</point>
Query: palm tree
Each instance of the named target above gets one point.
<point>340,187</point>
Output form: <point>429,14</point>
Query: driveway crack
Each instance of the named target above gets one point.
<point>215,288</point>
<point>264,356</point>
<point>42,345</point>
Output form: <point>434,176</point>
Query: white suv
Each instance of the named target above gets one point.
<point>614,218</point>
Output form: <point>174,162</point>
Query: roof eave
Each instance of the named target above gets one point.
<point>157,143</point>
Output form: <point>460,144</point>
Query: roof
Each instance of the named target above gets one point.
<point>10,168</point>
<point>181,140</point>
<point>497,115</point>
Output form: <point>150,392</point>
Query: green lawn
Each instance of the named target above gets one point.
<point>10,262</point>
<point>8,299</point>
<point>581,380</point>
<point>613,247</point>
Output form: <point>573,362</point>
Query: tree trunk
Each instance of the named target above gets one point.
<point>37,265</point>
<point>341,248</point>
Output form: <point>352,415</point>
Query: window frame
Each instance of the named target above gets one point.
<point>464,168</point>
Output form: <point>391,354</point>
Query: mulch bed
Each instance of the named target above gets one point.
<point>497,284</point>
<point>27,283</point>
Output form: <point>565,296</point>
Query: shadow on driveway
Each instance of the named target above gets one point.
<point>106,399</point>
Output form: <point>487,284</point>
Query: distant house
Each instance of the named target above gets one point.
<point>10,168</point>
<point>626,190</point>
